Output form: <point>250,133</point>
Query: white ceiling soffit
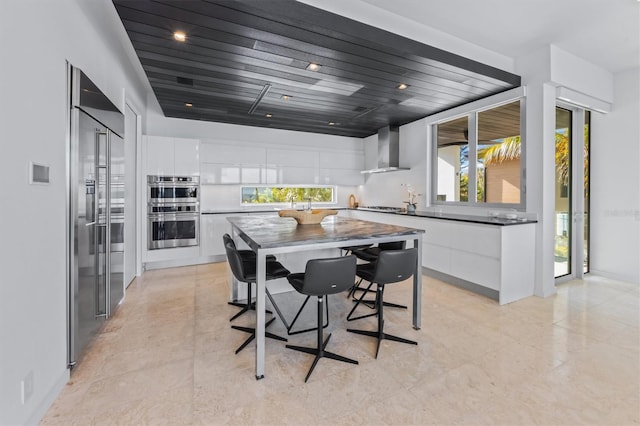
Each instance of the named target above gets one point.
<point>603,32</point>
<point>401,23</point>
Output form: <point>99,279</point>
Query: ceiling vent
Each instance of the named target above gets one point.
<point>185,81</point>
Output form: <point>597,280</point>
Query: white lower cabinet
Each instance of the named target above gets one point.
<point>212,228</point>
<point>498,258</point>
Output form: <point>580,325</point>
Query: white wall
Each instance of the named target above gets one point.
<point>590,79</point>
<point>615,183</point>
<point>36,38</point>
<point>380,18</point>
<point>291,157</point>
<point>386,189</point>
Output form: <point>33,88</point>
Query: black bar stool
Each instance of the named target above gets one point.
<point>321,278</point>
<point>245,271</point>
<point>391,267</point>
<point>371,255</point>
<point>247,256</point>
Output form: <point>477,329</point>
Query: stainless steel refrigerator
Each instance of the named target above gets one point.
<point>96,211</point>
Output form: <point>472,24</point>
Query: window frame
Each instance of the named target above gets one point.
<point>471,111</point>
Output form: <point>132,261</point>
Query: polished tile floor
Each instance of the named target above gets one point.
<point>166,357</point>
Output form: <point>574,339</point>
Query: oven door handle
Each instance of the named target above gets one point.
<point>173,216</point>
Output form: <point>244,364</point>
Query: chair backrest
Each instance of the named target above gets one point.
<point>234,259</point>
<point>329,276</point>
<point>395,265</point>
<point>394,245</point>
<point>228,240</point>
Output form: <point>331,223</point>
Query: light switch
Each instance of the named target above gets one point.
<point>38,173</point>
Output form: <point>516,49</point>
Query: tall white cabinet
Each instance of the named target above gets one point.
<point>167,156</point>
<point>172,156</point>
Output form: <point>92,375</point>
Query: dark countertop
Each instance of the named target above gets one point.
<point>484,220</point>
<point>268,232</point>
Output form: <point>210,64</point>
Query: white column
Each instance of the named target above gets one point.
<point>540,179</point>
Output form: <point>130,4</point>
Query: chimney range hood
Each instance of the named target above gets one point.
<point>388,151</point>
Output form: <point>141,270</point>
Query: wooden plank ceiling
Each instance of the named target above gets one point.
<point>236,50</point>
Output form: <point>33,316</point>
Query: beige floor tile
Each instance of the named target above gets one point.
<point>167,357</point>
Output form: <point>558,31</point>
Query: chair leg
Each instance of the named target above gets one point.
<point>379,334</point>
<point>252,332</point>
<point>358,301</point>
<point>325,325</point>
<point>245,306</point>
<point>290,326</point>
<point>356,287</point>
<point>372,303</point>
<point>319,351</point>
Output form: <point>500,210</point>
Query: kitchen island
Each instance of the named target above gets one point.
<point>491,256</point>
<point>275,235</point>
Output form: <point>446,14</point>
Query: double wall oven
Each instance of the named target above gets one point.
<point>173,211</point>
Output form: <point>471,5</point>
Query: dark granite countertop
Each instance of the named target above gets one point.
<point>485,220</point>
<point>268,232</point>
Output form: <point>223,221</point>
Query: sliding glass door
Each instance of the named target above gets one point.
<point>571,251</point>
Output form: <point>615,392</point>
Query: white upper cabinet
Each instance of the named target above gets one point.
<point>186,157</point>
<point>342,160</point>
<point>232,154</point>
<point>228,162</point>
<point>292,158</point>
<point>159,156</point>
<point>172,156</point>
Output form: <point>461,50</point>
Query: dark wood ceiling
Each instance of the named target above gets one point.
<point>236,50</point>
<point>493,125</point>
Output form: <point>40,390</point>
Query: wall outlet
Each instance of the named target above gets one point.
<point>26,387</point>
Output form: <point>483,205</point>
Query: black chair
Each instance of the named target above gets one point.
<point>392,266</point>
<point>371,255</point>
<point>250,257</point>
<point>353,249</point>
<point>245,271</point>
<point>321,278</point>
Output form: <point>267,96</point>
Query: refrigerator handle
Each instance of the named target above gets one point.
<point>101,231</point>
<point>107,298</point>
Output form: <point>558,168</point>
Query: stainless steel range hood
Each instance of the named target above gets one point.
<point>388,151</point>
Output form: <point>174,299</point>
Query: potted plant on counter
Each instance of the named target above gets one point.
<point>412,202</point>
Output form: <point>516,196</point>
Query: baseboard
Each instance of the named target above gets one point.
<point>48,399</point>
<point>615,277</point>
<point>467,285</point>
<point>162,264</point>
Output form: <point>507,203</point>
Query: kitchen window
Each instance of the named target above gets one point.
<point>477,159</point>
<point>288,194</point>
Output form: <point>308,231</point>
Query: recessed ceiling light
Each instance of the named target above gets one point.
<point>313,67</point>
<point>179,36</point>
<point>285,97</point>
<point>331,123</point>
<point>268,115</point>
<point>188,104</point>
<point>401,86</point>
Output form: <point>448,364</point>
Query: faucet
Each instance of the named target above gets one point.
<point>308,203</point>
<point>292,199</point>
